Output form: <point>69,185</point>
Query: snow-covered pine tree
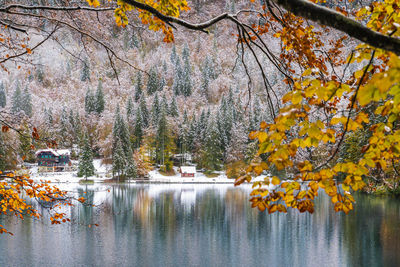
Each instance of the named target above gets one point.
<point>118,159</point>
<point>131,169</point>
<point>86,167</point>
<point>99,102</point>
<point>17,99</point>
<point>3,98</point>
<point>26,102</point>
<point>164,103</point>
<point>130,110</point>
<point>138,131</point>
<point>173,56</point>
<point>64,129</point>
<point>173,108</point>
<point>177,86</point>
<point>144,111</point>
<point>153,83</point>
<point>211,154</point>
<point>90,102</point>
<point>187,69</point>
<point>85,71</point>
<point>155,110</point>
<point>138,86</point>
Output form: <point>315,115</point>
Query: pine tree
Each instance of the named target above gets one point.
<point>85,71</point>
<point>138,131</point>
<point>99,102</point>
<point>3,98</point>
<point>144,111</point>
<point>153,83</point>
<point>174,56</point>
<point>118,158</point>
<point>26,102</point>
<point>86,167</point>
<point>129,109</point>
<point>211,152</point>
<point>164,103</point>
<point>173,108</point>
<point>155,110</point>
<point>177,86</point>
<point>17,100</point>
<point>90,102</point>
<point>63,129</point>
<point>207,75</point>
<point>138,86</point>
<point>187,80</point>
<point>131,169</point>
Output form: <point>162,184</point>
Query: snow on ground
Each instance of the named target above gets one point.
<point>71,177</point>
<point>154,176</point>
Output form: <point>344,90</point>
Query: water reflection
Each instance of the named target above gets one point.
<point>200,225</point>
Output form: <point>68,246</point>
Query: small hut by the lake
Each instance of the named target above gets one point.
<point>188,171</point>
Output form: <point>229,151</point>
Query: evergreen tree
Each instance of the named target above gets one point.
<point>85,71</point>
<point>145,112</point>
<point>99,102</point>
<point>164,142</point>
<point>64,127</point>
<point>86,167</point>
<point>119,160</point>
<point>173,108</point>
<point>153,84</point>
<point>164,103</point>
<point>138,131</point>
<point>155,110</point>
<point>177,86</point>
<point>187,80</point>
<point>129,109</point>
<point>207,75</point>
<point>77,126</point>
<point>138,86</point>
<point>90,102</point>
<point>131,169</point>
<point>17,100</point>
<point>26,102</point>
<point>211,152</point>
<point>3,98</point>
<point>174,56</point>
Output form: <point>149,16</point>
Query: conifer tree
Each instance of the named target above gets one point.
<point>173,108</point>
<point>177,86</point>
<point>174,56</point>
<point>27,102</point>
<point>187,80</point>
<point>129,110</point>
<point>164,103</point>
<point>119,161</point>
<point>99,99</point>
<point>3,98</point>
<point>155,110</point>
<point>153,83</point>
<point>17,100</point>
<point>85,71</point>
<point>90,102</point>
<point>138,86</point>
<point>211,152</point>
<point>131,169</point>
<point>144,111</point>
<point>86,167</point>
<point>138,131</point>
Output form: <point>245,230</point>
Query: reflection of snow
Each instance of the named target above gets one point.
<point>188,197</point>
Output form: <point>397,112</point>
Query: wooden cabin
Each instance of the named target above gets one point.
<point>187,171</point>
<point>53,160</point>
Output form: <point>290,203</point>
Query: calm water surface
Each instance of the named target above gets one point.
<point>203,225</point>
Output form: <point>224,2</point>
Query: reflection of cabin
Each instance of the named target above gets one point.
<point>52,160</point>
<point>188,171</point>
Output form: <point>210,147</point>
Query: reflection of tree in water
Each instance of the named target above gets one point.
<point>372,232</point>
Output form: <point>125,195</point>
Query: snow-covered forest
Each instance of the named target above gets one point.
<point>189,102</point>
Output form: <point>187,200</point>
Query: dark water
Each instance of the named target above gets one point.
<point>204,225</point>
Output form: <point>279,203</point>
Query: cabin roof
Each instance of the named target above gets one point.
<point>55,152</point>
<point>188,169</point>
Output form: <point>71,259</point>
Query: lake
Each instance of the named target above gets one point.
<point>203,225</point>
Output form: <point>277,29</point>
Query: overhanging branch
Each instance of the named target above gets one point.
<point>331,18</point>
